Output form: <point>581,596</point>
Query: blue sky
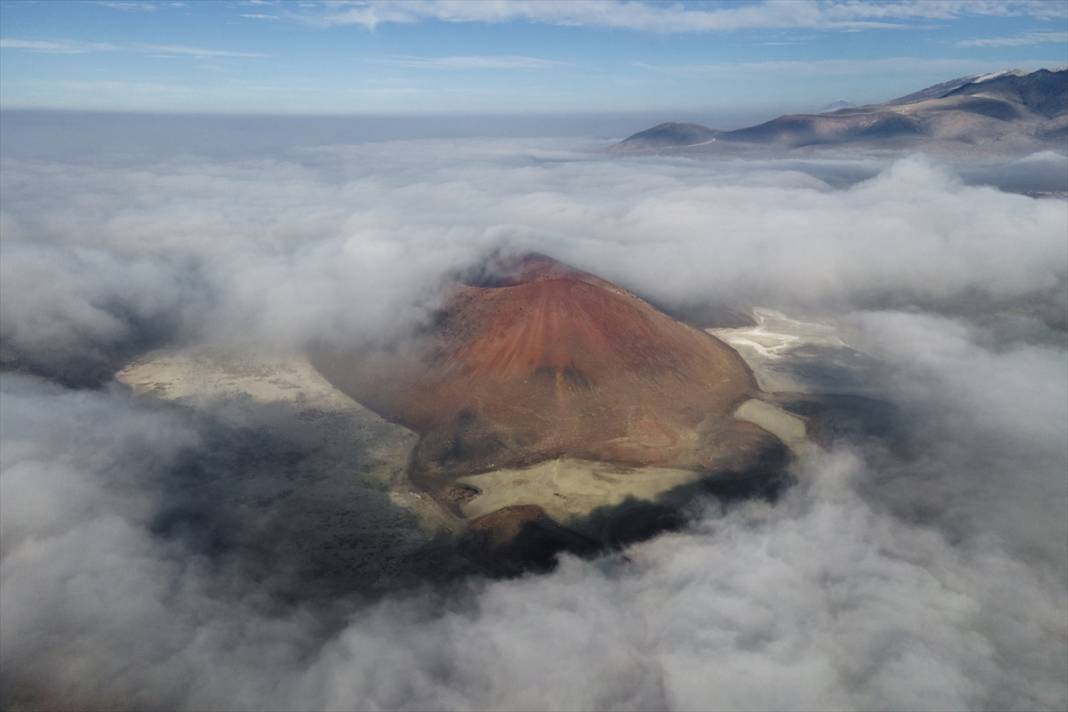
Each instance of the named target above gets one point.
<point>505,57</point>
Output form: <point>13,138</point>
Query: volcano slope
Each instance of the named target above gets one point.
<point>532,360</point>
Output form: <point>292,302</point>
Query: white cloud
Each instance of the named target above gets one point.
<point>56,46</point>
<point>129,6</point>
<point>923,572</point>
<point>840,67</point>
<point>947,9</point>
<point>663,17</point>
<point>635,221</point>
<point>177,50</point>
<point>825,600</point>
<point>64,46</point>
<point>592,13</point>
<point>1028,38</point>
<point>501,61</point>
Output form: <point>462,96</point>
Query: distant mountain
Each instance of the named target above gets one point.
<point>673,134</point>
<point>836,105</point>
<point>938,91</point>
<point>1043,92</point>
<point>1009,110</point>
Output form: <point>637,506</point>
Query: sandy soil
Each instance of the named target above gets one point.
<point>275,393</point>
<point>766,346</point>
<point>196,375</point>
<point>787,427</point>
<point>790,357</point>
<point>569,489</point>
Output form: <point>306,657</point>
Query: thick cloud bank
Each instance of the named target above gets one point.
<point>920,564</point>
<point>351,242</point>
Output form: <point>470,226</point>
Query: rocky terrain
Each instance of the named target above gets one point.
<point>1009,111</point>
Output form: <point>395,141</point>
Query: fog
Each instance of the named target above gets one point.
<point>150,561</point>
<point>116,137</point>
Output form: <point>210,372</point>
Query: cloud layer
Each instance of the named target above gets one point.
<point>326,245</point>
<point>654,17</point>
<point>919,565</point>
<point>64,46</point>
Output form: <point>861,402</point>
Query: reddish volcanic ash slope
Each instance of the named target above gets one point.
<point>545,361</point>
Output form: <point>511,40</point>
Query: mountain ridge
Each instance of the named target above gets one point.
<point>1009,109</point>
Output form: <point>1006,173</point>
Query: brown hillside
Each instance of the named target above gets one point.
<point>539,361</point>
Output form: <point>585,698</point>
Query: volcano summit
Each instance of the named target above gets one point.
<point>530,361</point>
